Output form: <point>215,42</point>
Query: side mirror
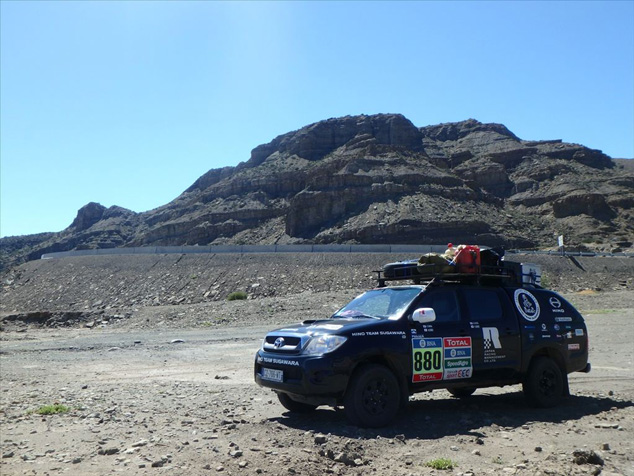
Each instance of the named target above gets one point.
<point>424,315</point>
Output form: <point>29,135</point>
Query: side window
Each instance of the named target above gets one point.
<point>483,305</point>
<point>444,303</point>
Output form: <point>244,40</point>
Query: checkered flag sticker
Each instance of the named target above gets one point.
<point>491,337</point>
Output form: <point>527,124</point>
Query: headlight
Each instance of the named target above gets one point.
<point>324,343</point>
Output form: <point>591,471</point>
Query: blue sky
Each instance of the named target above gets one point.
<point>128,103</point>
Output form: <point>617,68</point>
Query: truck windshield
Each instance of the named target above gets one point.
<point>385,303</point>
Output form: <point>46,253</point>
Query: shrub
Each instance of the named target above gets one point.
<point>52,409</point>
<point>441,463</point>
<point>237,295</point>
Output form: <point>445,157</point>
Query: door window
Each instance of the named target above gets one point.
<point>483,304</point>
<point>445,304</point>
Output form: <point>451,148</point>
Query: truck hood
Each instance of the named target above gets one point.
<point>339,326</point>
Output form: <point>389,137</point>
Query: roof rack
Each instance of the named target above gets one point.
<point>508,272</point>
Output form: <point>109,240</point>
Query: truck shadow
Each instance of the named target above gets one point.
<point>440,417</point>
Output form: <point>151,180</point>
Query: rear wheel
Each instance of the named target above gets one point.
<point>293,405</point>
<point>373,397</point>
<point>462,392</point>
<point>544,385</point>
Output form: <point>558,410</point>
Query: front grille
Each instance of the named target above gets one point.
<point>286,343</point>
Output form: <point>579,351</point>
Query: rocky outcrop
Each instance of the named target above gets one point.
<point>380,179</point>
<point>87,216</point>
<point>316,141</point>
<point>591,204</point>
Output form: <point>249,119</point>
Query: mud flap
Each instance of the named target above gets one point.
<point>566,389</point>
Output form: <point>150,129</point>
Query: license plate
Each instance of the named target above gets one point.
<point>272,374</point>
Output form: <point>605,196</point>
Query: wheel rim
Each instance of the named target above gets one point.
<point>548,383</point>
<point>375,397</point>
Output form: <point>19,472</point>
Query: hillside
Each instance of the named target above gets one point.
<point>379,179</point>
<point>119,285</point>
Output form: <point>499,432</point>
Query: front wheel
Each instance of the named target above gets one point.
<point>294,406</point>
<point>544,383</point>
<point>373,397</point>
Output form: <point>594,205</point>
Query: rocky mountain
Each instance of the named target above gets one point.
<point>379,179</point>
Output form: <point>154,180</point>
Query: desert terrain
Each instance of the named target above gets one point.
<point>155,367</point>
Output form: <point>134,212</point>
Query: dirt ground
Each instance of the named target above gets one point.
<point>183,402</point>
<point>168,389</point>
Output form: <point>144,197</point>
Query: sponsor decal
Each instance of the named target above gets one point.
<point>269,360</point>
<point>428,377</point>
<point>563,319</point>
<point>457,353</point>
<point>457,373</point>
<point>545,336</point>
<point>544,327</point>
<point>527,305</point>
<point>554,302</point>
<point>579,332</point>
<point>557,327</point>
<point>491,342</point>
<point>391,333</point>
<point>475,325</point>
<point>491,337</point>
<point>441,359</point>
<point>457,341</point>
<point>457,363</point>
<point>378,333</point>
<point>531,336</point>
<point>427,359</point>
<point>457,367</point>
<point>574,347</point>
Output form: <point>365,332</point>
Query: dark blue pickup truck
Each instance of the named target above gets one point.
<point>454,332</point>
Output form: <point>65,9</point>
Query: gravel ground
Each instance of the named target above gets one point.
<point>159,387</point>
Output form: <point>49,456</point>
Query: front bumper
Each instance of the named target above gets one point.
<point>315,378</point>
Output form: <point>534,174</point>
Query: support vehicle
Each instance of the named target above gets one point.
<point>456,331</point>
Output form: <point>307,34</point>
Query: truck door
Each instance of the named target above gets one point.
<point>494,333</point>
<point>441,350</point>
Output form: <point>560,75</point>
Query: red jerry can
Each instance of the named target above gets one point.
<point>468,259</point>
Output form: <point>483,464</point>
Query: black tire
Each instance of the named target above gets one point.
<point>373,398</point>
<point>544,384</point>
<point>294,406</point>
<point>462,392</point>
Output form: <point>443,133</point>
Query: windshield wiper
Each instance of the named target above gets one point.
<point>355,316</point>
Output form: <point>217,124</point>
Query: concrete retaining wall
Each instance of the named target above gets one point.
<point>240,249</point>
<point>413,250</point>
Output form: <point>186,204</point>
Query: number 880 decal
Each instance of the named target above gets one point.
<point>441,359</point>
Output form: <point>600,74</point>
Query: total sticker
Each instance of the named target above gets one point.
<point>457,365</point>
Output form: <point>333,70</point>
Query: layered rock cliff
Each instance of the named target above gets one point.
<point>381,179</point>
